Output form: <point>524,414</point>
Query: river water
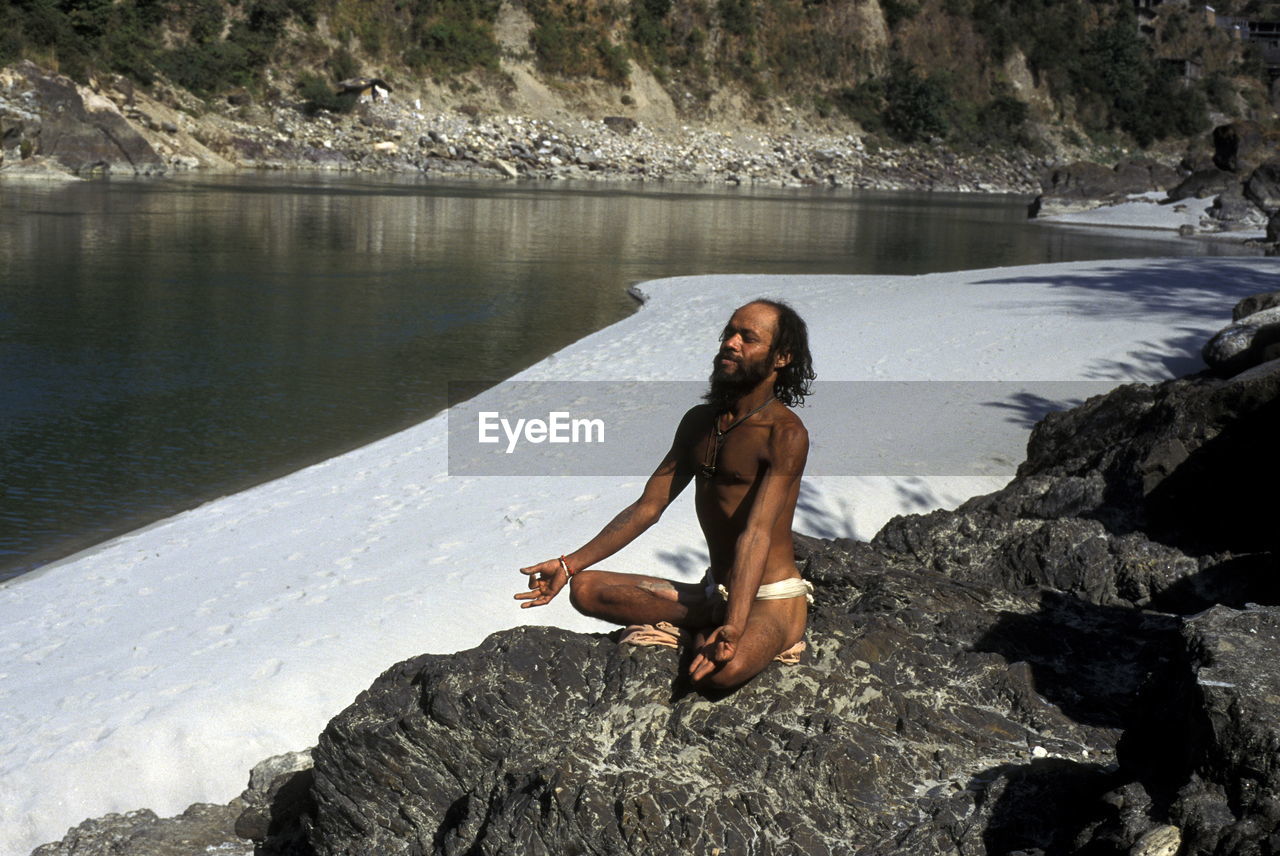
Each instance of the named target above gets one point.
<point>164,342</point>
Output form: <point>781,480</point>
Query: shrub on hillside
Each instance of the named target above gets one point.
<point>317,94</point>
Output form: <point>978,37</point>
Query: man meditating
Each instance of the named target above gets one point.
<point>745,450</point>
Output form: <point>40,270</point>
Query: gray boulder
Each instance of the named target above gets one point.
<point>1233,210</point>
<point>1263,186</point>
<point>622,125</point>
<point>1083,185</point>
<point>1203,184</point>
<point>1072,664</point>
<point>1255,303</point>
<point>200,829</point>
<point>84,134</point>
<point>1247,342</point>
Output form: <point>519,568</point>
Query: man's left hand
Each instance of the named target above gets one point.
<point>719,649</point>
<point>545,581</point>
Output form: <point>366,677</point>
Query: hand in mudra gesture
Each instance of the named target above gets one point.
<point>545,581</point>
<point>719,649</point>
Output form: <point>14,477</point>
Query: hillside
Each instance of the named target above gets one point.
<point>1042,75</point>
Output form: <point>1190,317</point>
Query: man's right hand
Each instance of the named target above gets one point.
<point>545,581</point>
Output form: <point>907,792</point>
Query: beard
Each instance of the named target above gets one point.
<point>728,387</point>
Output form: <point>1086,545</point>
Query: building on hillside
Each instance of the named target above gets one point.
<point>1150,10</point>
<point>1265,35</point>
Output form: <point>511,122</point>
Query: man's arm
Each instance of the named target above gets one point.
<point>787,452</point>
<point>546,579</point>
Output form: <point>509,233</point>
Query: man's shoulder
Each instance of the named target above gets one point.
<point>787,420</point>
<point>787,434</point>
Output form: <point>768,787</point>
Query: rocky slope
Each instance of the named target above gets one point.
<point>46,120</point>
<point>1082,662</point>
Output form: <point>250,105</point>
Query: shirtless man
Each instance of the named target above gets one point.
<point>746,450</point>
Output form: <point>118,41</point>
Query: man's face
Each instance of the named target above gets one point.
<point>745,357</point>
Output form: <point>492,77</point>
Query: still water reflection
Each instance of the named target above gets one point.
<point>164,342</point>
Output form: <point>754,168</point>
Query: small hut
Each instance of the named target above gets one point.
<point>374,88</point>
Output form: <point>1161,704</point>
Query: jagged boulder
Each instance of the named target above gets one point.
<point>968,668</point>
<point>202,828</point>
<point>1231,803</point>
<point>1263,186</point>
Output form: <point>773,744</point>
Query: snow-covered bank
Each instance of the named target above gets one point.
<point>155,670</point>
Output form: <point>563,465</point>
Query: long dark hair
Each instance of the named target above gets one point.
<point>795,379</point>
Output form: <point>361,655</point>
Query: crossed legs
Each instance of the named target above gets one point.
<point>772,627</point>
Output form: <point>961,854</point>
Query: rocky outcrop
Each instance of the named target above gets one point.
<point>201,828</point>
<point>1081,662</point>
<point>1046,645</point>
<point>1242,178</point>
<point>72,125</point>
<point>1083,185</point>
<point>1252,338</point>
<point>1239,147</point>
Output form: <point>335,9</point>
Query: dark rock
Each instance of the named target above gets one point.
<point>84,137</point>
<point>1263,186</point>
<point>276,802</point>
<point>200,829</point>
<point>620,124</point>
<point>1083,184</point>
<point>1230,804</point>
<point>1241,146</point>
<point>1245,343</point>
<point>967,669</point>
<point>1086,180</point>
<point>1203,184</point>
<point>1255,303</point>
<point>1273,228</point>
<point>239,98</point>
<point>1234,211</point>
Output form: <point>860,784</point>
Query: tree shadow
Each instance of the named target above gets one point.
<point>1091,661</point>
<point>1113,667</point>
<point>690,562</point>
<point>1041,806</point>
<point>815,513</point>
<point>1220,497</point>
<point>1028,408</point>
<point>1173,287</point>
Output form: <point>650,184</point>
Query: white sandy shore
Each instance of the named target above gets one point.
<point>154,670</point>
<point>1151,211</point>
